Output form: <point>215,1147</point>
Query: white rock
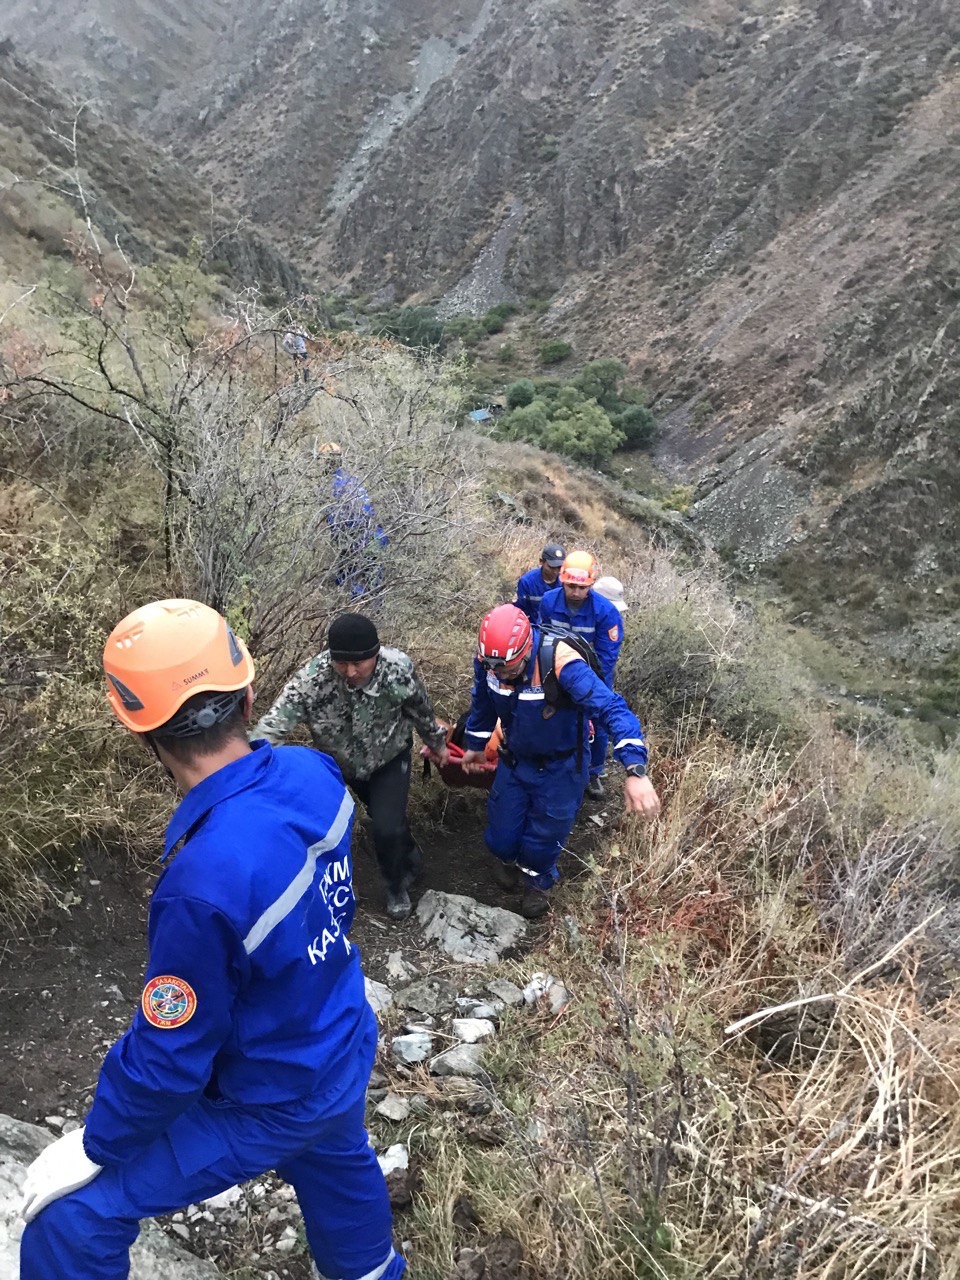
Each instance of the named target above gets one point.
<point>399,969</point>
<point>393,1107</point>
<point>379,996</point>
<point>395,1157</point>
<point>466,930</point>
<point>414,1047</point>
<point>470,1030</point>
<point>55,1122</point>
<point>461,1060</point>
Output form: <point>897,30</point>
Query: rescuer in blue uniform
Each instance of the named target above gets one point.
<point>358,537</point>
<point>253,1042</point>
<point>534,584</point>
<point>545,760</point>
<point>596,619</point>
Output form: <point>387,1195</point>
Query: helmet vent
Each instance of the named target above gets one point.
<point>129,699</point>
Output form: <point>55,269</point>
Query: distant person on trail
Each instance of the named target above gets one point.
<point>360,703</point>
<point>534,584</point>
<point>294,343</point>
<point>358,538</point>
<point>253,1042</point>
<point>575,604</point>
<point>542,691</point>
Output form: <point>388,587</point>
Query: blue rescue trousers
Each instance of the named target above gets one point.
<point>532,808</point>
<point>87,1234</point>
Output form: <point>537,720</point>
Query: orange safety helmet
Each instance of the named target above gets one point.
<point>579,569</point>
<point>163,653</point>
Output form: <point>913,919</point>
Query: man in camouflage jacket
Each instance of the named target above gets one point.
<point>360,703</point>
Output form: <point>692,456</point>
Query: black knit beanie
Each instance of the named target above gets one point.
<point>352,638</point>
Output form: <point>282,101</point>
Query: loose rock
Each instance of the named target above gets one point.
<point>225,1199</point>
<point>394,1158</point>
<point>461,1060</point>
<point>393,1107</point>
<point>474,1008</point>
<point>415,1047</point>
<point>379,996</point>
<point>429,996</point>
<point>505,990</point>
<point>466,930</point>
<point>399,968</point>
<point>470,1030</point>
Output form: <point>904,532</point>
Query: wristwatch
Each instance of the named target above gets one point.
<point>636,771</point>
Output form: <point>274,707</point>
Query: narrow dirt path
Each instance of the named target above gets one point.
<point>69,985</point>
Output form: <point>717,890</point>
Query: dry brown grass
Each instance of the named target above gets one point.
<point>822,1140</point>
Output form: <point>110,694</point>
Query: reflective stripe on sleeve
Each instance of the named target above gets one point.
<point>629,742</point>
<point>279,910</point>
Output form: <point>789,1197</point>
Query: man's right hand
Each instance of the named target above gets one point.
<point>640,797</point>
<point>474,762</point>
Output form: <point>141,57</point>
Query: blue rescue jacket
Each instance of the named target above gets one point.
<point>530,734</point>
<point>253,993</point>
<point>531,589</point>
<point>597,620</point>
<point>352,519</point>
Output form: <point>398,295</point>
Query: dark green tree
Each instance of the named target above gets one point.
<point>520,393</point>
<point>600,380</point>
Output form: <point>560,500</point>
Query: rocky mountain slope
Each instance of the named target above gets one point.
<point>53,147</point>
<point>752,202</point>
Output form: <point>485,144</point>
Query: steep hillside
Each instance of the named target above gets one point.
<point>752,202</point>
<point>51,149</point>
<point>124,52</point>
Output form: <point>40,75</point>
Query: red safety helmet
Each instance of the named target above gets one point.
<point>505,636</point>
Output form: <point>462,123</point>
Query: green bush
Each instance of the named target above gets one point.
<point>507,354</point>
<point>638,425</point>
<point>555,351</point>
<point>468,329</point>
<point>582,431</point>
<point>600,380</point>
<point>413,326</point>
<point>567,424</point>
<point>520,393</point>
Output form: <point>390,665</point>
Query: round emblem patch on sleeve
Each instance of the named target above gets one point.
<point>168,1002</point>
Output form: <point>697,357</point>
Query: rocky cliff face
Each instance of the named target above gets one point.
<point>754,202</point>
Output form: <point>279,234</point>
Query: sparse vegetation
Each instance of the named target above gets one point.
<point>758,1072</point>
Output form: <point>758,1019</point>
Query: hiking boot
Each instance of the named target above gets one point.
<point>399,905</point>
<point>534,903</point>
<point>414,870</point>
<point>507,874</point>
<point>595,788</point>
